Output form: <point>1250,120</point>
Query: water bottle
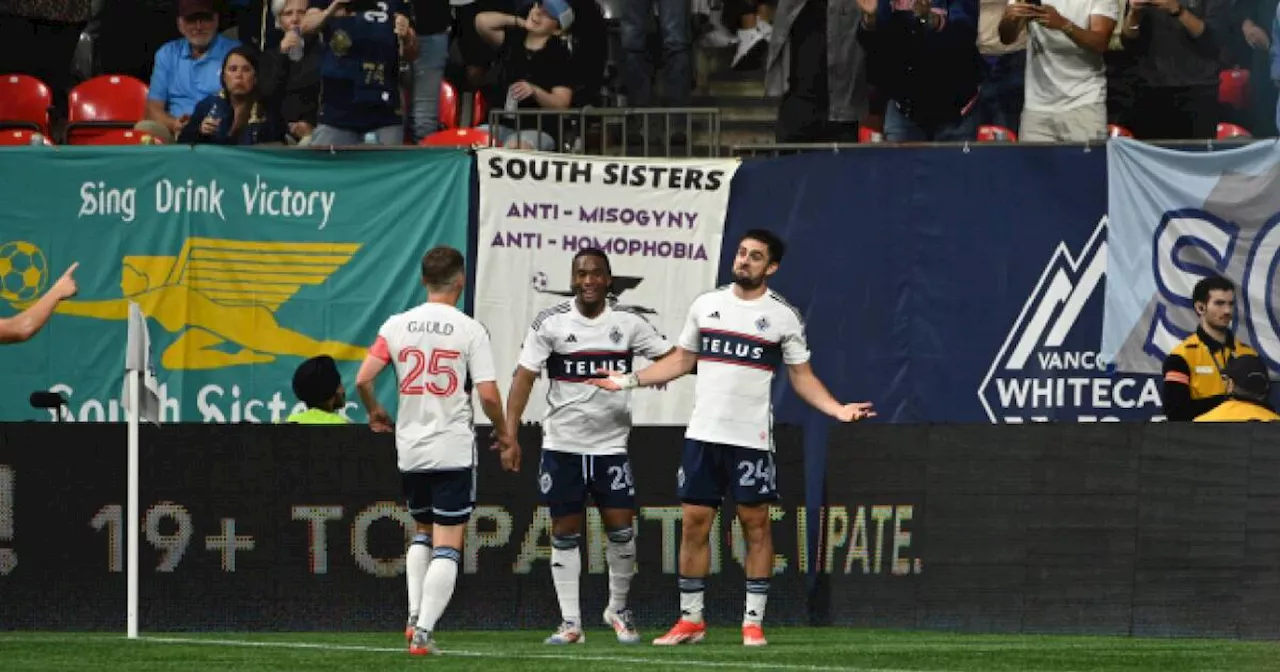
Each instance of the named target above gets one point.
<point>295,52</point>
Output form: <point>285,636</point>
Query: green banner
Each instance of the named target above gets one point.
<point>245,261</point>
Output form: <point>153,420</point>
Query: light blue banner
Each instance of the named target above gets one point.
<point>1175,218</point>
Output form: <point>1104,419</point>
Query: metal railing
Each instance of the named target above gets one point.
<point>769,151</point>
<point>649,132</point>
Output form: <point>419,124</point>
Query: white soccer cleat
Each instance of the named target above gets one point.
<point>568,633</point>
<point>623,623</point>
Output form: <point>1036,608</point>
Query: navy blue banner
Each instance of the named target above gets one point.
<point>946,284</point>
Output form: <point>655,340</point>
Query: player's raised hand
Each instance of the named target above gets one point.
<point>66,287</point>
<point>856,411</point>
<point>380,421</point>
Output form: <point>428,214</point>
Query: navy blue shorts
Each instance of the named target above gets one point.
<point>566,480</point>
<point>709,470</point>
<point>440,497</point>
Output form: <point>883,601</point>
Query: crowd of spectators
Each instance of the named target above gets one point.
<point>344,72</point>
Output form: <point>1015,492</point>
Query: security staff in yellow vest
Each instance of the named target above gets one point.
<point>318,384</point>
<point>1195,379</point>
<point>1248,387</point>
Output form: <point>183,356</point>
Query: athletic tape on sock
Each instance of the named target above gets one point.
<point>447,553</point>
<point>567,542</point>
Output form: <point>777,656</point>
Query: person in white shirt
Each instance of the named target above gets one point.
<point>737,336</point>
<point>435,350</point>
<point>584,433</point>
<point>1066,80</point>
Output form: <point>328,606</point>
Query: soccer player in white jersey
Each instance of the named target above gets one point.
<point>737,336</point>
<point>435,349</point>
<point>584,434</point>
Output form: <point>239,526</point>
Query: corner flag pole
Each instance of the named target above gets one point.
<point>134,381</point>
<point>141,400</point>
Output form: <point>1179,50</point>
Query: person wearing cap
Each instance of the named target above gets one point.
<point>534,71</point>
<point>1248,388</point>
<point>318,384</point>
<point>1195,378</point>
<point>187,70</point>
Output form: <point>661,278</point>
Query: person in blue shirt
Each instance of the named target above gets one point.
<point>365,42</point>
<point>238,114</point>
<point>187,70</point>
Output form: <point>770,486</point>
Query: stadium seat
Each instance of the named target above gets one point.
<point>21,136</point>
<point>1115,131</point>
<point>1227,131</point>
<point>448,105</point>
<point>103,103</point>
<point>1233,88</point>
<point>866,135</point>
<point>457,137</point>
<point>479,110</point>
<point>992,133</point>
<point>118,136</point>
<point>24,103</point>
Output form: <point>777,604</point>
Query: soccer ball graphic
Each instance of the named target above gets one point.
<point>540,281</point>
<point>23,271</point>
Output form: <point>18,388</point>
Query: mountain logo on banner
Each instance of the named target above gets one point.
<point>1048,368</point>
<point>620,284</point>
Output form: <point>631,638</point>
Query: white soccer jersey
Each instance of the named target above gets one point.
<point>581,418</point>
<point>435,349</point>
<point>739,344</point>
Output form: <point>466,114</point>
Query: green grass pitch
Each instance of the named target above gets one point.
<point>789,649</point>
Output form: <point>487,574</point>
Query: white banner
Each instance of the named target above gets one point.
<point>661,222</point>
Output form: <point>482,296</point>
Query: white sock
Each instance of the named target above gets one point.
<point>437,587</point>
<point>691,598</point>
<point>621,557</point>
<point>415,569</point>
<point>566,567</point>
<point>757,597</point>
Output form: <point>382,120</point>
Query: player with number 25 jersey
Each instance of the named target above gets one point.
<point>435,350</point>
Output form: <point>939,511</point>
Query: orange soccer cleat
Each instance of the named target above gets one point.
<point>684,632</point>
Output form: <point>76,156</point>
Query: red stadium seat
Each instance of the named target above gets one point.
<point>479,110</point>
<point>21,136</point>
<point>991,133</point>
<point>457,137</point>
<point>119,136</point>
<point>1114,131</point>
<point>1226,131</point>
<point>1233,88</point>
<point>24,103</point>
<point>866,135</point>
<point>448,105</point>
<point>103,103</point>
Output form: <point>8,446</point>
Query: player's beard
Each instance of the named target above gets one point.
<point>591,307</point>
<point>745,281</point>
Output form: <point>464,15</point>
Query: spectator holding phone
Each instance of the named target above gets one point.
<point>1177,44</point>
<point>1066,80</point>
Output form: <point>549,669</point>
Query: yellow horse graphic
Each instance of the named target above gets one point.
<point>218,292</point>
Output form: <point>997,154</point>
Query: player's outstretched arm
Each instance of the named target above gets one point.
<point>491,402</point>
<point>816,395</point>
<point>671,366</point>
<point>379,419</point>
<point>28,323</point>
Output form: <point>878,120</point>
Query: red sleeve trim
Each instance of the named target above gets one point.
<point>380,350</point>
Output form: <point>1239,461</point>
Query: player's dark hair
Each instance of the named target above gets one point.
<point>593,252</point>
<point>440,265</point>
<point>776,247</point>
<point>1211,284</point>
